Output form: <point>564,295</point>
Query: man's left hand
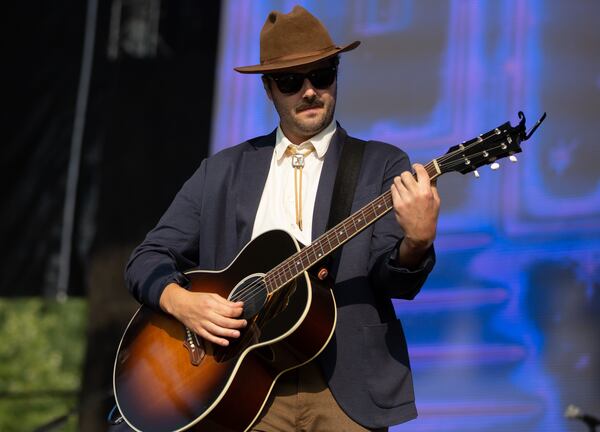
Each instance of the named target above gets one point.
<point>416,207</point>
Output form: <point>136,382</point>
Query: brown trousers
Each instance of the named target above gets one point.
<point>302,402</point>
<point>299,402</point>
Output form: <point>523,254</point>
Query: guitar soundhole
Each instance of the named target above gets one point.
<point>253,292</point>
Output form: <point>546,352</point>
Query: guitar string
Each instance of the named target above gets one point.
<point>288,264</point>
<point>460,162</point>
<point>500,135</point>
<point>256,286</point>
<point>291,262</point>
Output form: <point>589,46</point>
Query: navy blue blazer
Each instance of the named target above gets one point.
<point>366,363</point>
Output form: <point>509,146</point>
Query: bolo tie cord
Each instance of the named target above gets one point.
<point>298,156</point>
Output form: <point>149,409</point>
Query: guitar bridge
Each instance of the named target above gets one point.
<point>195,347</point>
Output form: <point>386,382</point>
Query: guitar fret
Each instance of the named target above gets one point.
<point>289,274</point>
<point>276,282</point>
<point>335,240</point>
<point>305,262</point>
<point>282,273</point>
<point>322,254</point>
<point>329,243</point>
<point>354,223</point>
<point>311,249</point>
<point>388,203</point>
<point>362,218</point>
<point>374,209</point>
<point>351,229</point>
<point>270,282</point>
<point>291,267</point>
<point>431,171</point>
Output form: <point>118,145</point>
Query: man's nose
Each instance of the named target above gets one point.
<point>308,90</point>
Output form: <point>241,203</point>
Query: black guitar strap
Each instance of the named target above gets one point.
<point>344,187</point>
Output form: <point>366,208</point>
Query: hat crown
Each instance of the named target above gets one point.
<point>294,39</point>
<point>292,35</point>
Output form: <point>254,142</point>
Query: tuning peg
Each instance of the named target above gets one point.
<point>513,158</point>
<point>495,166</point>
<point>476,174</point>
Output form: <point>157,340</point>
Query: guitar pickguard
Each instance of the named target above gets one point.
<point>268,315</point>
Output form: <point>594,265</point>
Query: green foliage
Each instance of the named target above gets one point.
<point>41,356</point>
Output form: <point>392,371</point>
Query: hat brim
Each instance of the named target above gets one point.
<point>280,66</point>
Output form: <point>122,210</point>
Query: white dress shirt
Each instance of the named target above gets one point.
<point>277,208</point>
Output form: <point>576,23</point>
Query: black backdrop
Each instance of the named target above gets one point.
<point>147,128</point>
<point>42,59</point>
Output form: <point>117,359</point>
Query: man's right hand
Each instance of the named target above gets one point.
<point>207,314</point>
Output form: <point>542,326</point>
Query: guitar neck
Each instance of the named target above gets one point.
<point>334,238</point>
<point>503,141</point>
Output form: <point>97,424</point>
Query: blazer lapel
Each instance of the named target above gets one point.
<point>326,182</point>
<point>254,170</point>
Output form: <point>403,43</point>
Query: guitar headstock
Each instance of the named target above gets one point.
<point>501,142</point>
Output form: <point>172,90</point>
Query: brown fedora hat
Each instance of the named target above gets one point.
<point>293,39</point>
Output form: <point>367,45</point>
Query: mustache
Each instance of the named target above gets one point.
<point>309,104</point>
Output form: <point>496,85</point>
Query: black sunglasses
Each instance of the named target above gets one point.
<point>292,82</point>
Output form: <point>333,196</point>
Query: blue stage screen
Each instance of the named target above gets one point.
<point>505,334</point>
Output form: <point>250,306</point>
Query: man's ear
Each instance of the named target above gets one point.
<point>267,85</point>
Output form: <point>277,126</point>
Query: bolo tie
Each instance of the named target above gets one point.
<point>298,156</point>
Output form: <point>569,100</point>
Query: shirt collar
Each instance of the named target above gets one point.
<point>320,141</point>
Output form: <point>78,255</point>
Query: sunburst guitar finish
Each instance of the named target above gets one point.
<point>168,379</point>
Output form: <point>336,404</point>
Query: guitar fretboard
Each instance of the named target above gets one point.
<point>334,238</point>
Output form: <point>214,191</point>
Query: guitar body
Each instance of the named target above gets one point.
<point>169,379</point>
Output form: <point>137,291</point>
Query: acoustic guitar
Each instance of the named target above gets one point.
<point>167,378</point>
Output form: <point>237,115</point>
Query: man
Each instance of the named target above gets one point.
<point>361,381</point>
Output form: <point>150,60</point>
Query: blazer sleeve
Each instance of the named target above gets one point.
<point>172,246</point>
<point>384,273</point>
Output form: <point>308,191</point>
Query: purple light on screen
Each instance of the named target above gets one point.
<point>451,299</point>
<point>583,362</point>
<point>470,415</point>
<point>476,408</point>
<point>465,355</point>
